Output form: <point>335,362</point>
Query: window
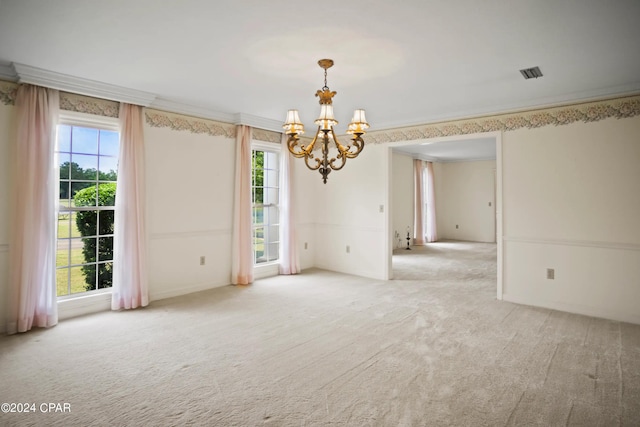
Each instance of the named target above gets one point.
<point>87,159</point>
<point>265,182</point>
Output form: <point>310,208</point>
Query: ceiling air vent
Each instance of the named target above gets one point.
<point>530,73</point>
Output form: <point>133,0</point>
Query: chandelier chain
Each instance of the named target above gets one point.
<point>325,80</point>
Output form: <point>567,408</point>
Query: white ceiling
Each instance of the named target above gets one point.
<point>452,150</point>
<point>406,62</point>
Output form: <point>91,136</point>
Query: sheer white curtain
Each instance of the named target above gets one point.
<point>418,202</point>
<point>289,263</point>
<point>32,276</point>
<point>130,284</point>
<point>432,234</point>
<point>242,251</point>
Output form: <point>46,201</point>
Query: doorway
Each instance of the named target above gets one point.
<point>468,194</point>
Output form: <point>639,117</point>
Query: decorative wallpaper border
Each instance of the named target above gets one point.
<point>89,105</point>
<point>68,101</point>
<point>556,116</point>
<point>179,122</point>
<point>163,119</point>
<point>8,92</point>
<point>266,135</point>
<point>587,112</point>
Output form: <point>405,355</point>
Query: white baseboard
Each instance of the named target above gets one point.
<point>198,287</point>
<point>576,309</point>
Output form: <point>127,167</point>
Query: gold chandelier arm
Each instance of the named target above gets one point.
<point>356,142</point>
<point>317,165</point>
<point>292,143</point>
<point>301,151</point>
<point>344,152</point>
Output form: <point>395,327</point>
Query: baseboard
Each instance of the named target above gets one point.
<point>576,309</point>
<point>156,296</point>
<point>353,272</point>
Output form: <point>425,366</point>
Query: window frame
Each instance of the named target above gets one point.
<point>82,120</point>
<point>275,149</point>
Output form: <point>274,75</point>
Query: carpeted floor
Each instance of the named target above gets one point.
<point>431,348</point>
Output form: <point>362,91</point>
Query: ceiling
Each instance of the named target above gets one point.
<point>408,62</point>
<point>452,150</point>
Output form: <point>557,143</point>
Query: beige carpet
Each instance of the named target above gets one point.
<point>432,348</point>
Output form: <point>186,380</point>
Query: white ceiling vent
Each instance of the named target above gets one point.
<point>530,73</point>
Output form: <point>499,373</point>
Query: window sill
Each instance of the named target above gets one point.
<point>264,270</point>
<point>84,304</point>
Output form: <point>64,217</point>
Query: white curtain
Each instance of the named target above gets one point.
<point>289,263</point>
<point>242,248</point>
<point>432,234</point>
<point>32,275</point>
<point>418,202</point>
<point>130,284</point>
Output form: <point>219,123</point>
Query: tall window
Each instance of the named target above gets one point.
<point>265,187</point>
<point>88,163</point>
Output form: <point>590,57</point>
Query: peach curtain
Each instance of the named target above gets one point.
<point>418,203</point>
<point>32,278</point>
<point>242,240</point>
<point>431,232</point>
<point>289,263</point>
<point>130,283</point>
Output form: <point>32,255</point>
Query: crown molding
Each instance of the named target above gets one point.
<point>586,112</point>
<point>603,94</point>
<point>64,82</point>
<point>258,122</point>
<point>164,104</point>
<point>8,73</point>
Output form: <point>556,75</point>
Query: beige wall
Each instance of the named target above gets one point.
<point>572,203</point>
<point>190,209</point>
<point>465,196</point>
<point>401,197</point>
<point>570,197</point>
<point>347,213</point>
<point>7,118</point>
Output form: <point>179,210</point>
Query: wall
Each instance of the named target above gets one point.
<point>572,203</point>
<point>306,185</point>
<point>401,197</point>
<point>464,191</point>
<point>7,119</point>
<point>347,213</point>
<point>190,181</point>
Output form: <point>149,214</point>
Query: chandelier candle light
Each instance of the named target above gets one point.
<point>294,128</point>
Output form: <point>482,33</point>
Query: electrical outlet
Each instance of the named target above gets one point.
<point>551,273</point>
<point>381,208</point>
<point>305,245</point>
<point>202,259</point>
<point>348,249</point>
<point>489,204</point>
<point>456,226</point>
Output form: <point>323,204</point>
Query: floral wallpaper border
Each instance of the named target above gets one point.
<point>181,122</point>
<point>556,116</point>
<point>163,119</point>
<point>266,135</point>
<point>89,105</point>
<point>68,101</point>
<point>8,92</point>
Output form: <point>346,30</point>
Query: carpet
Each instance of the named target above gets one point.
<point>432,347</point>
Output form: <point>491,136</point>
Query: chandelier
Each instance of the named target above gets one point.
<point>294,128</point>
